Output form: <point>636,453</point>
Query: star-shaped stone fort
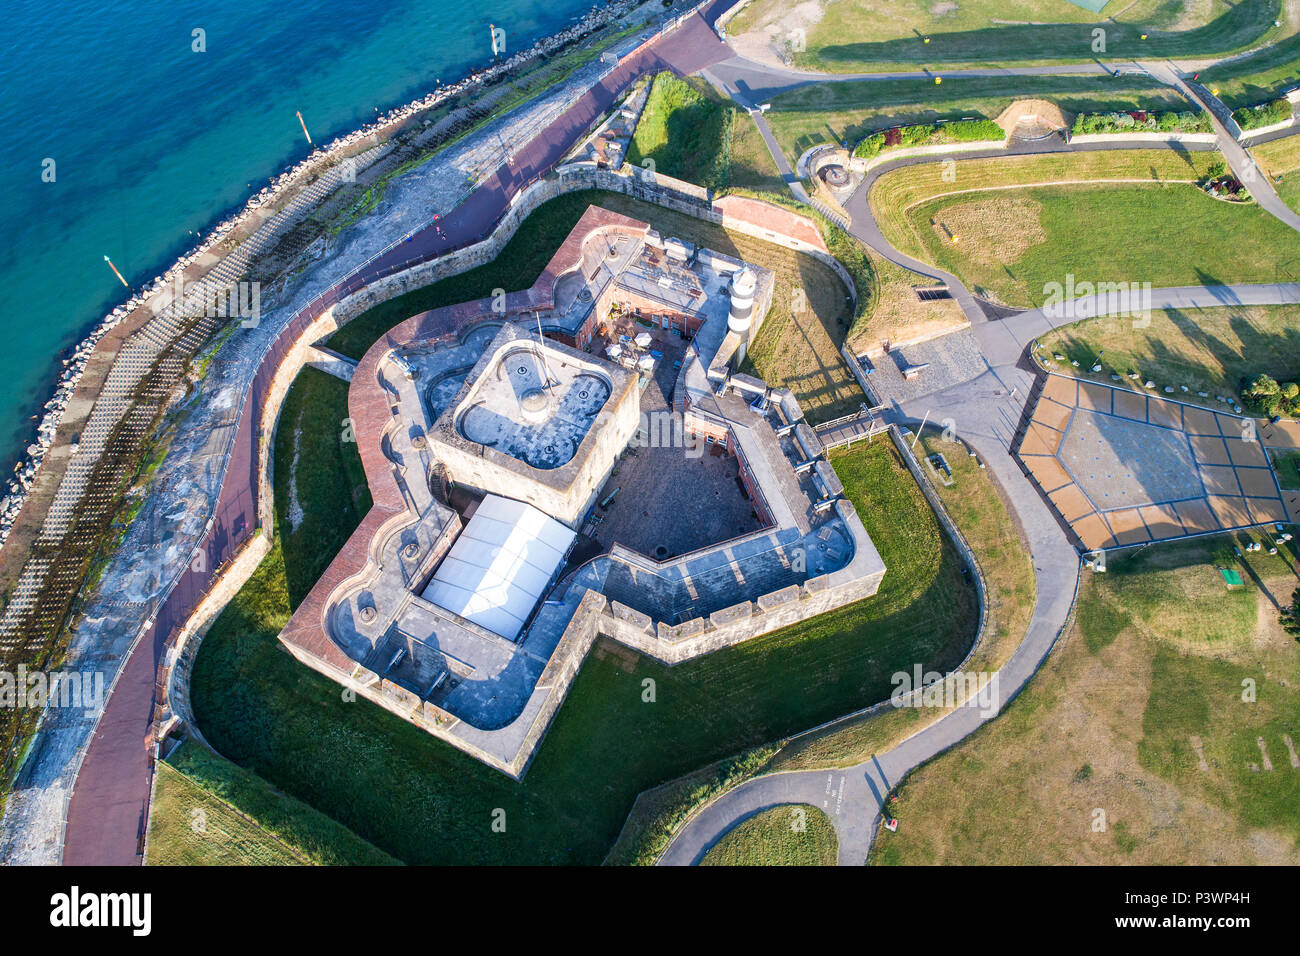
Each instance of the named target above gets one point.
<point>576,460</point>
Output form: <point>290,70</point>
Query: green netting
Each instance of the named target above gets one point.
<point>1231,578</point>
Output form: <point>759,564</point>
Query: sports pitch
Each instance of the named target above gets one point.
<point>1124,468</point>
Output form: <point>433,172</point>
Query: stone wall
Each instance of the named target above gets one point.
<point>856,368</point>
<point>1144,137</point>
<point>510,749</point>
<point>1247,136</point>
<point>178,664</point>
<point>663,191</point>
<point>677,643</point>
<point>564,492</point>
<point>864,166</point>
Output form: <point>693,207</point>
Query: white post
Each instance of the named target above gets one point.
<point>919,430</point>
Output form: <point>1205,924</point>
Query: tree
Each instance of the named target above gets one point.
<point>1261,387</point>
<point>1289,617</point>
<point>1266,395</point>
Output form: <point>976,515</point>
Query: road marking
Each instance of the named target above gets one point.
<point>833,791</point>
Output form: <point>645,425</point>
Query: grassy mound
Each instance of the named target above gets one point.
<point>209,812</point>
<point>685,131</point>
<point>797,835</point>
<point>1173,234</point>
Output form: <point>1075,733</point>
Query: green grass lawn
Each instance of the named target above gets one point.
<point>870,36</point>
<point>1286,463</point>
<point>209,812</point>
<point>425,802</point>
<point>660,811</point>
<point>795,835</point>
<point>848,111</point>
<point>318,469</point>
<point>1010,244</point>
<point>896,193</point>
<point>517,267</point>
<point>1258,77</point>
<point>685,129</point>
<point>1280,161</point>
<point>1210,350</point>
<point>1149,681</point>
<point>752,166</point>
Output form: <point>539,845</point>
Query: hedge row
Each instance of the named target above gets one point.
<point>1141,122</point>
<point>1265,114</point>
<point>930,134</point>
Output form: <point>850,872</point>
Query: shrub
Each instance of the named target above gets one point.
<point>871,146</point>
<point>930,134</point>
<point>1289,618</point>
<point>1168,121</point>
<point>1262,387</point>
<point>1264,114</point>
<point>1270,398</point>
<point>972,131</point>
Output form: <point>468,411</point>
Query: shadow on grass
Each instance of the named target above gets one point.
<point>1283,57</point>
<point>1241,24</point>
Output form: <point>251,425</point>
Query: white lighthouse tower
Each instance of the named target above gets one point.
<point>744,284</point>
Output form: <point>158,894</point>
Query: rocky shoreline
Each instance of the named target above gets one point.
<point>280,189</point>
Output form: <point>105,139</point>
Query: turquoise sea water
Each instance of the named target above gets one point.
<point>153,143</point>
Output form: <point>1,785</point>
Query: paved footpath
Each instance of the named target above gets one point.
<point>986,411</point>
<point>753,82</point>
<point>690,48</point>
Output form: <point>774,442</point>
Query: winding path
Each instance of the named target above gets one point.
<point>987,408</point>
